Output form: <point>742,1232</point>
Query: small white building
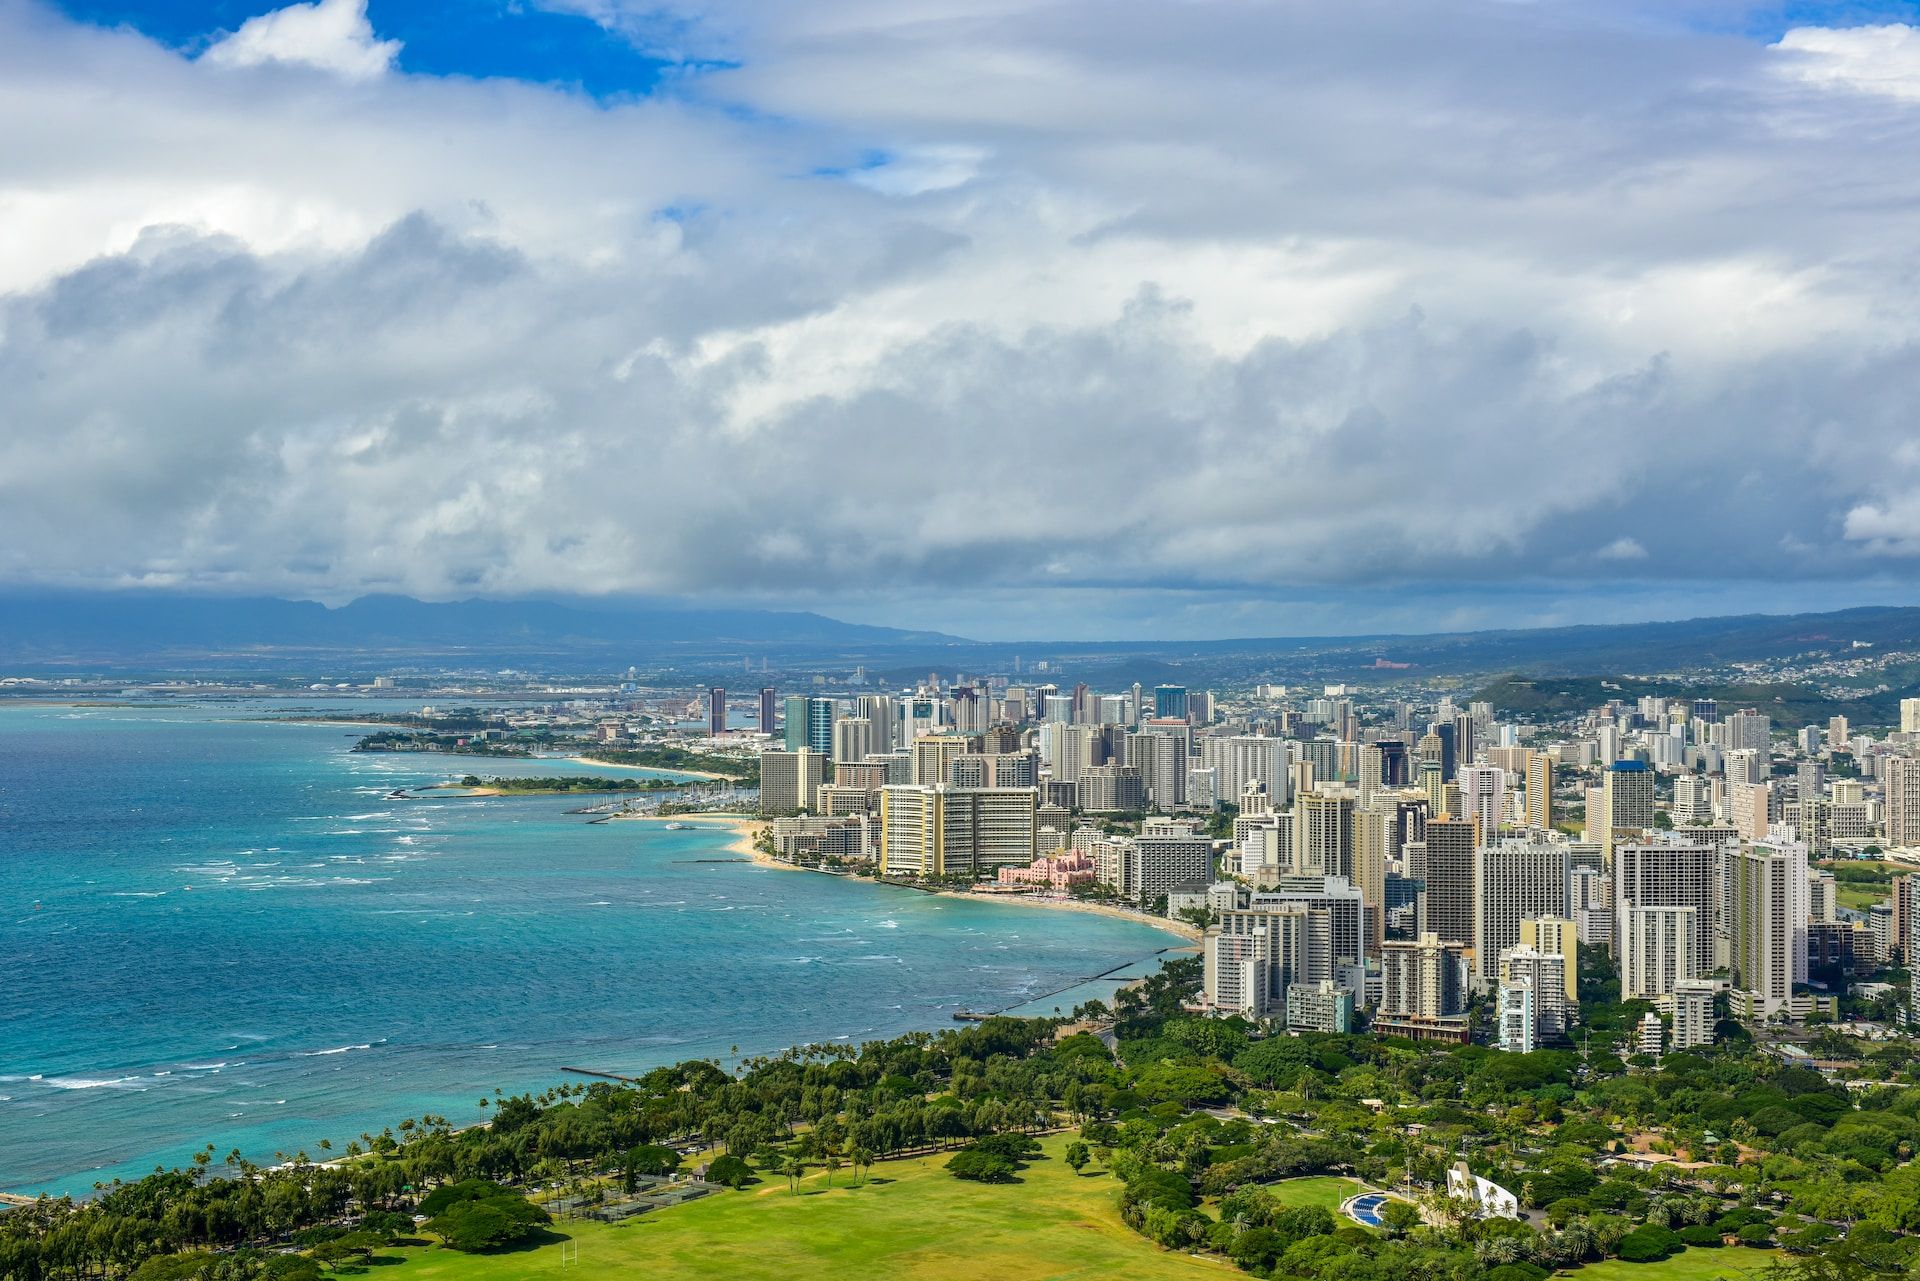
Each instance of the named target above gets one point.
<point>1490,1199</point>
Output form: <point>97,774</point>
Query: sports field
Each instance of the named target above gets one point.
<point>1731,1263</point>
<point>911,1221</point>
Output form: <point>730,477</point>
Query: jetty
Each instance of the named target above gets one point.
<point>604,1076</point>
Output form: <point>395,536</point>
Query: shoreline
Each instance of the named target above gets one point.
<point>745,828</point>
<point>595,761</point>
<point>1171,926</point>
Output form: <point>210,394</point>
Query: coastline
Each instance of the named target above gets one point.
<point>690,773</point>
<point>747,828</point>
<point>1171,926</point>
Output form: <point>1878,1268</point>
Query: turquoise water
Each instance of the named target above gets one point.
<point>220,930</point>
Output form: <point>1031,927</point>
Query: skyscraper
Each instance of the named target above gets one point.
<point>1514,880</point>
<point>1450,893</point>
<point>1483,792</point>
<point>1658,949</point>
<point>1670,873</point>
<point>789,781</point>
<point>769,709</point>
<point>1902,799</point>
<point>716,711</point>
<point>1761,909</point>
<point>1539,790</point>
<point>1170,702</point>
<point>1628,806</point>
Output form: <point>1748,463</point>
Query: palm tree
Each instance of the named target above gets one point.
<point>793,1168</point>
<point>832,1163</point>
<point>860,1157</point>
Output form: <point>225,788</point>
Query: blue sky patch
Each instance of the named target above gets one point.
<point>439,38</point>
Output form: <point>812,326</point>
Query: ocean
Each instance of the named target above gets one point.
<point>217,929</point>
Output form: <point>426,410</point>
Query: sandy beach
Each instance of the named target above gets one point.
<point>1181,928</point>
<point>690,773</point>
<point>745,829</point>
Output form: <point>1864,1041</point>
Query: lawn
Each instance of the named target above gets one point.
<point>1735,1263</point>
<point>1322,1190</point>
<point>913,1222</point>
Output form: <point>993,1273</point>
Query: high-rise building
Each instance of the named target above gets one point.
<point>716,711</point>
<point>1747,731</point>
<point>933,754</point>
<point>1323,833</point>
<point>809,724</point>
<point>1910,716</point>
<point>1545,975</point>
<point>1539,790</point>
<point>1628,804</point>
<point>1515,1022</point>
<point>769,709</point>
<point>1163,749</point>
<point>936,830</point>
<point>1751,808</point>
<point>1692,800</point>
<point>1659,948</point>
<point>1240,759</point>
<point>1342,951</point>
<point>789,781</point>
<point>1112,788</point>
<point>1901,775</point>
<point>1324,1006</point>
<point>852,740</point>
<point>1483,793</point>
<point>1762,902</point>
<point>1422,978</point>
<point>1449,876</point>
<point>1559,936</point>
<point>1170,702</point>
<point>1674,872</point>
<point>1516,880</point>
<point>1166,858</point>
<point>1693,1020</point>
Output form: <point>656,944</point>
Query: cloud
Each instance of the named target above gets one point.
<point>1065,301</point>
<point>333,35</point>
<point>1869,59</point>
<point>1622,549</point>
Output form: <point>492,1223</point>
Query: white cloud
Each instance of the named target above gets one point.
<point>1221,296</point>
<point>1869,59</point>
<point>1622,549</point>
<point>333,35</point>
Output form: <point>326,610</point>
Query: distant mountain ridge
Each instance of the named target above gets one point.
<point>77,626</point>
<point>158,630</point>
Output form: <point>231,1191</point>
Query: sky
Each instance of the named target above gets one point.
<point>1008,318</point>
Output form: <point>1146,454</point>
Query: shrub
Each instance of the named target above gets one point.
<point>477,1215</point>
<point>981,1166</point>
<point>1701,1234</point>
<point>730,1170</point>
<point>1519,1271</point>
<point>1649,1244</point>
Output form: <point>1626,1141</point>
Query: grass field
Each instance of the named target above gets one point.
<point>1734,1263</point>
<point>1324,1190</point>
<point>913,1222</point>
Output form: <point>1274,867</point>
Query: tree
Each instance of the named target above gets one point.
<point>832,1164</point>
<point>981,1166</point>
<point>1077,1155</point>
<point>793,1168</point>
<point>1399,1217</point>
